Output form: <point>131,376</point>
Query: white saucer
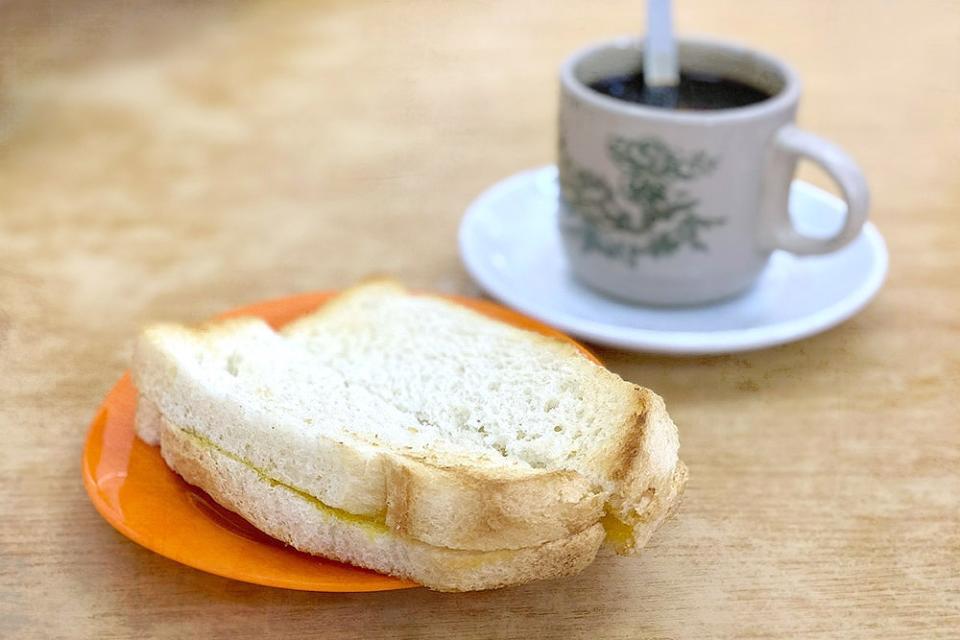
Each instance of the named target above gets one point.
<point>510,244</point>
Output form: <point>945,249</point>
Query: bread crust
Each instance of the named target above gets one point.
<point>651,477</point>
<point>290,517</point>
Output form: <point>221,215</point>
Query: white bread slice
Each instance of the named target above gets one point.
<point>309,526</point>
<point>471,501</point>
<point>537,399</point>
<point>452,428</point>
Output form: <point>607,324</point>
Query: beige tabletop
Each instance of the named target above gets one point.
<point>170,160</point>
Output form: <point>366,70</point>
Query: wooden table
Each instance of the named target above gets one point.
<point>170,160</point>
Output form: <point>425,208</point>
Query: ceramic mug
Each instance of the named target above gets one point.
<point>669,207</point>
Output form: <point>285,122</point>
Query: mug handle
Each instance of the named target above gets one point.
<point>789,145</point>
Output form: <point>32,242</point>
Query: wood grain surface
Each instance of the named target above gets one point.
<point>169,160</point>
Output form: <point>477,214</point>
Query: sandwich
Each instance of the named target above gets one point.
<point>407,434</point>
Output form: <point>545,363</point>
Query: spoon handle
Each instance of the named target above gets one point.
<point>660,50</point>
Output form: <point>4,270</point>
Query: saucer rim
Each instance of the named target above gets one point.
<point>678,342</point>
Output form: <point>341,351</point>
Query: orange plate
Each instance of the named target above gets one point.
<point>144,500</point>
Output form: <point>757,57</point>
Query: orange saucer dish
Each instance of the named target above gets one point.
<point>135,491</point>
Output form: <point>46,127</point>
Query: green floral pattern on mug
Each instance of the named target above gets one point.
<point>662,216</point>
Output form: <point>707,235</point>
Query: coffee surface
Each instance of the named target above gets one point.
<point>696,92</point>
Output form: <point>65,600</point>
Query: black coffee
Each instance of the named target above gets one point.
<point>696,92</point>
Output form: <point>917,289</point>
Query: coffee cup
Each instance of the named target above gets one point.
<point>669,206</point>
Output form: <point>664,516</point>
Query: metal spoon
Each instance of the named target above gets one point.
<point>661,75</point>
